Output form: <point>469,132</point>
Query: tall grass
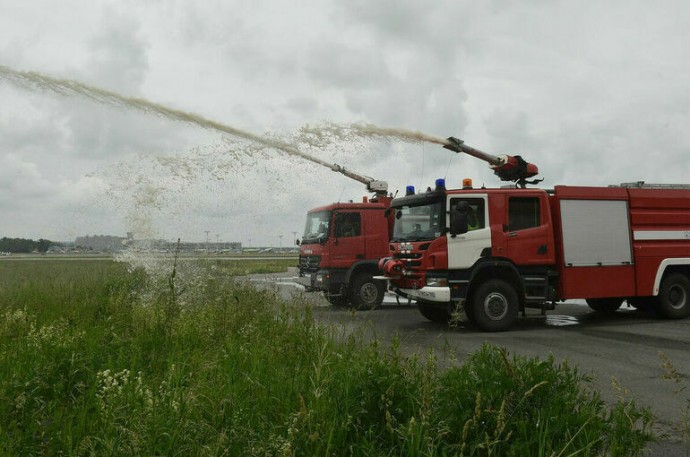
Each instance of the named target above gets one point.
<point>95,362</point>
<point>672,374</point>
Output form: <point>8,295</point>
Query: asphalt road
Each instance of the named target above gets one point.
<point>630,346</point>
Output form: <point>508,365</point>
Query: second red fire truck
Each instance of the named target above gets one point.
<point>342,244</point>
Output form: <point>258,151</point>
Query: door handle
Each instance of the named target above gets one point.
<point>512,234</point>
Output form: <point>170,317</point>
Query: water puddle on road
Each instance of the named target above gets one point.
<point>560,320</point>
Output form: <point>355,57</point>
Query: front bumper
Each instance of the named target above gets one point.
<point>318,281</point>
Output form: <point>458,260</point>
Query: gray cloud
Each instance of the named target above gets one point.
<point>118,53</point>
<point>345,67</point>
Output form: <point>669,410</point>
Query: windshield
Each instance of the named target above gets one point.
<point>417,223</point>
<point>316,229</point>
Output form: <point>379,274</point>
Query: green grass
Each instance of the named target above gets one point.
<point>98,360</point>
<point>245,267</point>
<point>671,374</point>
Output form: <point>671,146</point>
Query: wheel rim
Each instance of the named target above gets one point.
<point>368,292</point>
<point>496,306</point>
<point>677,297</point>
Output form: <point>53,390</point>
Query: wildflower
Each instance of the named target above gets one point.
<point>20,401</point>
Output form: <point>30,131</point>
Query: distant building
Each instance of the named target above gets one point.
<point>101,242</point>
<point>117,243</point>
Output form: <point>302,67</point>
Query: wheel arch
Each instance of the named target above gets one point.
<point>364,266</point>
<point>496,269</point>
<point>670,266</point>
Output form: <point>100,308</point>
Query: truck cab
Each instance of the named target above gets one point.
<point>447,244</point>
<point>340,249</point>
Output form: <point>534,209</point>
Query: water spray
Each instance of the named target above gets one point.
<point>511,168</point>
<point>75,88</point>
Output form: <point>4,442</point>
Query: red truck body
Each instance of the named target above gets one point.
<point>495,252</point>
<point>340,250</point>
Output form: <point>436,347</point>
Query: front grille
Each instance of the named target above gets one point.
<point>400,255</point>
<point>309,263</point>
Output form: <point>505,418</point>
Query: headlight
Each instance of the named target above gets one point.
<point>319,279</point>
<point>436,281</point>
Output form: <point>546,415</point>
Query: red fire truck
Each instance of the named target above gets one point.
<point>342,244</point>
<point>493,252</point>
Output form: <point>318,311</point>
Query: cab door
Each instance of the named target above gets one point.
<point>529,235</point>
<point>347,239</point>
<point>465,249</point>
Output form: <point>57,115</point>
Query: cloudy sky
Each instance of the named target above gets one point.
<point>594,93</point>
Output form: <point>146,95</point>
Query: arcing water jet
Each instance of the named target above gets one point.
<point>75,88</point>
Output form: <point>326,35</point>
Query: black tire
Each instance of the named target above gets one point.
<point>367,292</point>
<point>494,306</point>
<point>605,305</point>
<point>434,313</point>
<point>338,300</point>
<point>467,308</point>
<point>674,297</point>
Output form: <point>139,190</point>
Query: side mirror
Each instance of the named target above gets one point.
<point>458,219</point>
<point>297,241</point>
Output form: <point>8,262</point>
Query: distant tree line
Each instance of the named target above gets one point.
<point>21,245</point>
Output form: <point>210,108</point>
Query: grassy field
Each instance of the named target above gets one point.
<point>97,358</point>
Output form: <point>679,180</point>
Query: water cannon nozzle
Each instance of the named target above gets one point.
<point>453,144</point>
<point>378,187</point>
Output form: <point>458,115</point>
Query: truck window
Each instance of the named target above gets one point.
<point>347,225</point>
<point>420,222</point>
<point>316,228</point>
<point>523,213</point>
<point>475,214</point>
